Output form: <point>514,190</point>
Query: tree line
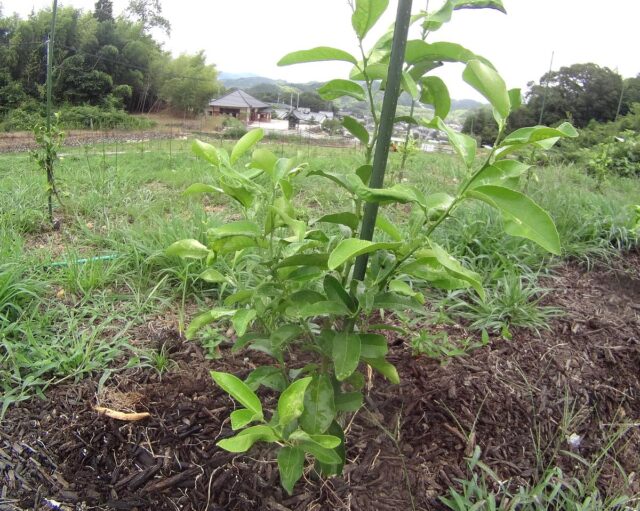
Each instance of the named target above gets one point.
<point>581,93</point>
<point>101,60</point>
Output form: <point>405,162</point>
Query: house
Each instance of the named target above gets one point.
<point>304,116</point>
<point>240,105</point>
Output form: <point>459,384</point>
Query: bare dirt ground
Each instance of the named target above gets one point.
<point>579,378</point>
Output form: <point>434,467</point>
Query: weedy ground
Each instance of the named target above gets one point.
<point>80,301</point>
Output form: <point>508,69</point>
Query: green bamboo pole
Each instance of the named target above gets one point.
<point>49,159</point>
<point>387,116</point>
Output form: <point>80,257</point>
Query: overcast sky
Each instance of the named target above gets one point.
<point>242,36</point>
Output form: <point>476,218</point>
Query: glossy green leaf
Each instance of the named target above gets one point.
<point>239,391</point>
<point>269,376</point>
<point>206,318</point>
<point>490,84</point>
<point>373,346</point>
<point>240,228</point>
<point>213,276</point>
<point>396,303</point>
<point>337,293</point>
<point>402,288</point>
<point>285,334</point>
<point>206,152</point>
<point>319,408</point>
<point>345,354</point>
<point>479,4</point>
<point>386,226</point>
<point>322,454</point>
<point>347,218</point>
<point>522,216</point>
<point>366,14</point>
<point>436,93</point>
<point>375,71</point>
<point>331,469</point>
<point>290,466</point>
<point>434,21</point>
<point>232,243</point>
<point>243,441</point>
<point>351,248</point>
<point>319,54</point>
<point>418,50</point>
<point>188,249</point>
<point>291,401</point>
<point>385,368</point>
<point>245,143</point>
<point>409,85</point>
<point>539,133</point>
<point>463,144</point>
<point>515,98</point>
<point>240,418</point>
<point>202,188</point>
<point>436,204</point>
<point>263,159</point>
<point>356,129</point>
<point>348,401</point>
<point>324,441</point>
<point>364,173</point>
<point>240,193</point>
<point>335,89</point>
<point>315,259</point>
<point>502,173</point>
<point>457,270</point>
<point>324,308</point>
<point>242,319</point>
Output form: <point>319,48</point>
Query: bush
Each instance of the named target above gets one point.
<point>233,128</point>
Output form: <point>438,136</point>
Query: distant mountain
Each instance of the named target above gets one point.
<point>465,104</point>
<point>223,75</point>
<point>244,82</point>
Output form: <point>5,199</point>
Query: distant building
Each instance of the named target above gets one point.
<point>240,105</point>
<point>304,116</point>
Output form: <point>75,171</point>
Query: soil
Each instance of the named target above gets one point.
<point>582,377</point>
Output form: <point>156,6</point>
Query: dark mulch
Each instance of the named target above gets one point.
<point>578,377</point>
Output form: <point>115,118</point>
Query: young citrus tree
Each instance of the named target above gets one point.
<point>292,288</point>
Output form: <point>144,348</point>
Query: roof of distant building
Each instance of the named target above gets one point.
<point>238,99</point>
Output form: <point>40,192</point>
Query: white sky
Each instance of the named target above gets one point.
<point>251,35</point>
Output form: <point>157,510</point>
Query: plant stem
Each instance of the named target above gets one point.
<point>387,116</point>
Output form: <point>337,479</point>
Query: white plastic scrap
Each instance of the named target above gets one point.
<point>574,441</point>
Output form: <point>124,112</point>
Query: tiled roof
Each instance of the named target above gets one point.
<point>238,99</point>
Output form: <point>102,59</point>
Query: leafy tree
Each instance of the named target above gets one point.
<point>103,10</point>
<point>149,14</point>
<point>190,83</point>
<point>481,125</point>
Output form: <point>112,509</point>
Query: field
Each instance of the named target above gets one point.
<point>540,381</point>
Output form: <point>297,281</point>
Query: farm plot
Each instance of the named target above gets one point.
<point>539,381</point>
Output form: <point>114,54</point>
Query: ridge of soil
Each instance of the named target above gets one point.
<point>577,378</point>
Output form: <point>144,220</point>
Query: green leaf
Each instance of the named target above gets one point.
<point>490,84</point>
<point>345,218</point>
<point>188,249</point>
<point>522,216</point>
<point>239,228</point>
<point>402,288</point>
<point>322,454</point>
<point>350,248</point>
<point>385,368</point>
<point>393,302</point>
<point>240,193</point>
<point>205,319</point>
<point>418,50</point>
<point>242,319</point>
<point>319,408</point>
<point>463,144</point>
<point>386,226</point>
<point>409,85</point>
<point>206,152</point>
<point>436,204</point>
<point>479,4</point>
<point>243,441</point>
<point>291,401</point>
<point>373,346</point>
<point>539,133</point>
<point>290,466</point>
<point>457,270</point>
<point>263,159</point>
<point>337,293</point>
<point>239,391</point>
<point>345,354</point>
<point>324,308</point>
<point>240,418</point>
<point>436,93</point>
<point>201,188</point>
<point>366,14</point>
<point>348,401</point>
<point>364,173</point>
<point>335,89</point>
<point>434,21</point>
<point>329,469</point>
<point>324,441</point>
<point>298,227</point>
<point>269,376</point>
<point>212,276</point>
<point>319,54</point>
<point>356,129</point>
<point>246,143</point>
<point>515,98</point>
<point>285,334</point>
<point>314,259</point>
<point>502,173</point>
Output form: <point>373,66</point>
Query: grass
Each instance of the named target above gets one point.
<point>62,318</point>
